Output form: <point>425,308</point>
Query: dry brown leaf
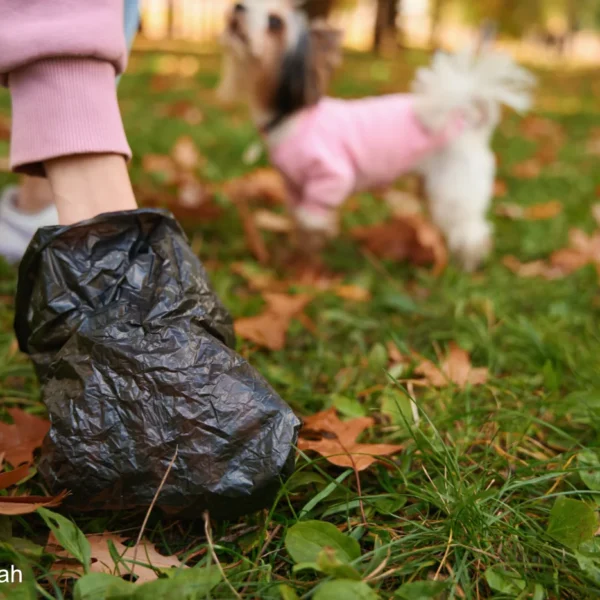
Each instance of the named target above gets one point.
<point>402,203</point>
<point>353,292</point>
<point>269,328</point>
<point>535,268</point>
<point>262,185</point>
<point>270,221</point>
<point>5,127</point>
<point>13,477</point>
<point>186,110</point>
<point>536,212</point>
<point>336,440</point>
<point>500,188</point>
<point>544,210</point>
<point>24,505</point>
<point>254,239</point>
<point>528,169</point>
<point>162,165</point>
<point>537,128</point>
<point>455,368</point>
<point>510,210</point>
<point>409,237</point>
<point>102,561</point>
<point>185,154</point>
<point>19,441</point>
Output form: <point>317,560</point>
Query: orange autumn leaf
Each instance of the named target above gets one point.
<point>583,250</point>
<point>407,237</point>
<point>528,169</point>
<point>24,505</point>
<point>353,293</point>
<point>500,188</point>
<point>19,441</point>
<point>103,561</point>
<point>535,268</point>
<point>262,185</point>
<point>9,478</point>
<point>335,440</point>
<point>455,368</point>
<point>535,212</point>
<point>269,328</point>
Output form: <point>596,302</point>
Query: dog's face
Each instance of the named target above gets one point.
<point>275,58</point>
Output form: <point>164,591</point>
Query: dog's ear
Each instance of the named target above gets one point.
<point>307,68</point>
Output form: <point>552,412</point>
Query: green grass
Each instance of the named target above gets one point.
<point>479,476</point>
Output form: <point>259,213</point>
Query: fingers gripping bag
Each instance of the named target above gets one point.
<point>134,352</point>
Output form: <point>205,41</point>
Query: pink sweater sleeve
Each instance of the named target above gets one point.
<point>59,59</point>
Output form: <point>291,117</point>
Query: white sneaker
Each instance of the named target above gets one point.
<point>17,228</point>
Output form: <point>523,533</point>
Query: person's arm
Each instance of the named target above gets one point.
<point>59,60</point>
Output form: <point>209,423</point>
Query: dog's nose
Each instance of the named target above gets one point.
<point>239,8</point>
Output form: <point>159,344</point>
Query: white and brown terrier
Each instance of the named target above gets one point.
<point>326,149</point>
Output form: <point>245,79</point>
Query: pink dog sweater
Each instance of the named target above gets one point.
<point>343,146</point>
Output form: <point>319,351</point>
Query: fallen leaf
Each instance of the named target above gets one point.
<point>5,126</point>
<point>12,477</point>
<point>354,293</point>
<point>500,188</point>
<point>270,221</point>
<point>545,210</point>
<point>336,440</point>
<point>23,505</point>
<point>254,241</point>
<point>528,169</point>
<point>4,164</point>
<point>186,110</point>
<point>510,210</point>
<point>402,203</point>
<point>535,268</point>
<point>409,237</point>
<point>262,185</point>
<point>537,128</point>
<point>536,212</point>
<point>455,368</point>
<point>186,154</point>
<point>19,441</point>
<point>162,165</point>
<point>269,328</point>
<point>102,561</point>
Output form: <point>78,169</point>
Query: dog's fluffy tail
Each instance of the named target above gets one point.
<point>473,84</point>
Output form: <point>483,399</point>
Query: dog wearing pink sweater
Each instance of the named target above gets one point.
<point>326,149</point>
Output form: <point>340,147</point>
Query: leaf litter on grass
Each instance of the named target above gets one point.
<point>336,440</point>
<point>19,441</point>
<point>104,559</point>
<point>269,328</point>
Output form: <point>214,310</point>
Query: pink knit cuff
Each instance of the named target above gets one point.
<point>61,107</point>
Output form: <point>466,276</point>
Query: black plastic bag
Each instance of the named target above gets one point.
<point>134,353</point>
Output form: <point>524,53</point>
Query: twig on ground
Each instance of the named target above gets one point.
<point>160,487</point>
<point>209,541</point>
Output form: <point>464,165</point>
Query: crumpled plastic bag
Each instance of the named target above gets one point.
<point>134,353</point>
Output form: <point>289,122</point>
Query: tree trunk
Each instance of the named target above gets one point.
<point>171,19</point>
<point>385,24</point>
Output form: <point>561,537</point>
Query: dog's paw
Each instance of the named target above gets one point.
<point>471,244</point>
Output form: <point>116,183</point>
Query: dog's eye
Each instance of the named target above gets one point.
<point>275,23</point>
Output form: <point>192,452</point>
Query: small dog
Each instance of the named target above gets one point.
<point>326,149</point>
